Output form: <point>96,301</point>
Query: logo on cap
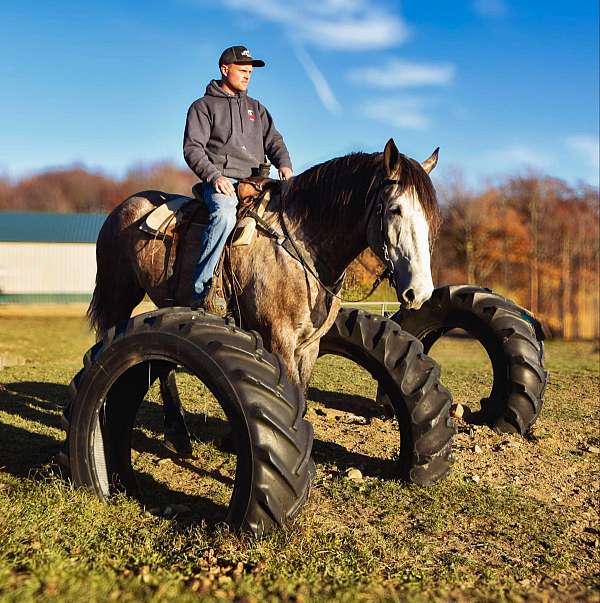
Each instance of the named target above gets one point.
<point>246,53</point>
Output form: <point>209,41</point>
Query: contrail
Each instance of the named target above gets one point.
<point>321,85</point>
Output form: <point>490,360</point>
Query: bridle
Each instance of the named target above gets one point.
<point>388,272</point>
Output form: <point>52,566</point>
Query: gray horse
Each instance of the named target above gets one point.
<point>328,215</point>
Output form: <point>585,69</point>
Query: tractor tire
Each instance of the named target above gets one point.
<point>265,410</point>
<point>512,338</point>
<point>421,403</point>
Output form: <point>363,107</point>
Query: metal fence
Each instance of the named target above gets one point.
<point>385,308</point>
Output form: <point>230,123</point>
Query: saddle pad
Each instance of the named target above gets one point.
<point>164,215</point>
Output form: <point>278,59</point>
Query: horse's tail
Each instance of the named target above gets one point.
<point>95,311</point>
<point>117,290</point>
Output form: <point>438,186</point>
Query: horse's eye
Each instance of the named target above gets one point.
<point>396,211</point>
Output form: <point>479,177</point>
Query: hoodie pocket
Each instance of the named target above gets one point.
<point>234,163</point>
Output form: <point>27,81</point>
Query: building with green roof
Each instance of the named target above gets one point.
<point>48,257</point>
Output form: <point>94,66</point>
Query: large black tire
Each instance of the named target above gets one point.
<point>265,410</point>
<point>512,338</point>
<point>421,403</point>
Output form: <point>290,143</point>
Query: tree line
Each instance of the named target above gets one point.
<point>530,237</point>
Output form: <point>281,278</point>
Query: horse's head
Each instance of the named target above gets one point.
<point>403,223</point>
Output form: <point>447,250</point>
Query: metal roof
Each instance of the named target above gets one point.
<point>50,227</point>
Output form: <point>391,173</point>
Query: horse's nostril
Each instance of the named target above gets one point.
<point>409,295</point>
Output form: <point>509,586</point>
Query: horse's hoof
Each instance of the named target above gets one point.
<point>180,445</point>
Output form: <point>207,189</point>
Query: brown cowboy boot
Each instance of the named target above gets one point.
<point>213,300</point>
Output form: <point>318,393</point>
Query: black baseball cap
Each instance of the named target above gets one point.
<point>239,55</point>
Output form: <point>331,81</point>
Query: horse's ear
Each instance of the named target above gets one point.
<point>431,161</point>
<point>391,158</point>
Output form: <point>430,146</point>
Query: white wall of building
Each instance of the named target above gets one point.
<point>47,267</point>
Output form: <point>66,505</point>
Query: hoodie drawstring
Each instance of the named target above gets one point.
<point>230,121</point>
<point>240,110</point>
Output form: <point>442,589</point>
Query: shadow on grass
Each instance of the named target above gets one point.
<point>155,494</point>
<point>43,403</point>
<point>355,404</point>
<point>143,443</point>
<point>23,450</point>
<point>203,427</point>
<point>43,395</point>
<point>152,492</point>
<point>330,452</point>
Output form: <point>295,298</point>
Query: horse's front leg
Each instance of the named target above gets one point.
<point>306,353</point>
<point>283,342</point>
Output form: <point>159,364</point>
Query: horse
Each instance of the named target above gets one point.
<point>287,293</point>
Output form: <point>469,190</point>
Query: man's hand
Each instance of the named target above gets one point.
<point>223,185</point>
<point>285,173</point>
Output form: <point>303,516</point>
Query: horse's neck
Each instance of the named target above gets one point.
<point>334,249</point>
<point>333,236</point>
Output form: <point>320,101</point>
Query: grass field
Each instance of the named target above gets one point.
<point>517,519</point>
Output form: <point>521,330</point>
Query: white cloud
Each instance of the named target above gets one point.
<point>322,87</point>
<point>329,7</point>
<point>398,73</point>
<point>351,25</point>
<point>373,31</point>
<point>404,113</point>
<point>490,8</point>
<point>588,149</point>
<point>520,155</point>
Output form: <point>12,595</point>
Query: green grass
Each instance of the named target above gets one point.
<point>526,530</point>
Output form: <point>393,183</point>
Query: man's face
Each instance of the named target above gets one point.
<point>237,77</point>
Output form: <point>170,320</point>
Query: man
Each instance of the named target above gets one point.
<point>227,134</point>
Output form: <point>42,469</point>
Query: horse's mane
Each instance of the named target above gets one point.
<point>345,184</point>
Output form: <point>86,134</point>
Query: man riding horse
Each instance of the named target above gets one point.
<point>227,134</point>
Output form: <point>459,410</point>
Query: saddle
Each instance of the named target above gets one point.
<point>180,222</point>
<point>253,193</point>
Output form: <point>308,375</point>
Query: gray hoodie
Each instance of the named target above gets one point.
<point>229,135</point>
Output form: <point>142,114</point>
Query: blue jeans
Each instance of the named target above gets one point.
<point>222,217</point>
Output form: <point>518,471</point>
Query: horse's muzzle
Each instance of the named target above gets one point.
<point>414,294</point>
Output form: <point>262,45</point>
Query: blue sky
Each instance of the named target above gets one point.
<point>501,86</point>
